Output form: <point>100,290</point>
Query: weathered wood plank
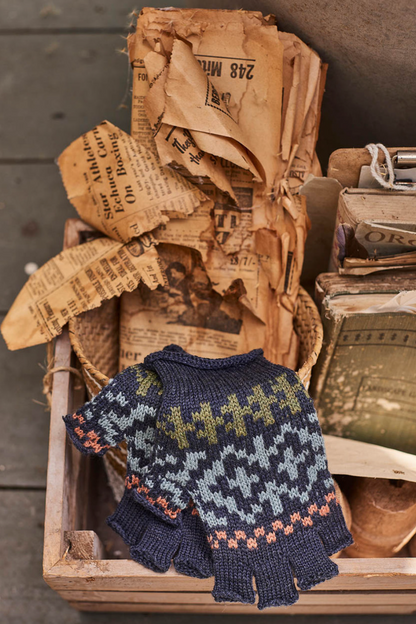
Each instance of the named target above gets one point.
<point>21,526</point>
<point>41,14</point>
<point>84,545</point>
<point>314,598</point>
<point>33,210</point>
<point>24,597</point>
<point>124,575</point>
<point>59,503</point>
<point>236,609</point>
<point>55,87</point>
<point>24,424</point>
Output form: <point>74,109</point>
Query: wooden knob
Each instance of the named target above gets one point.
<point>383,517</point>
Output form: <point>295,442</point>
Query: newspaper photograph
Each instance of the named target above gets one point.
<point>187,311</point>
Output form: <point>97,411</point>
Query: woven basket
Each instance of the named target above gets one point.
<point>95,340</point>
<point>94,337</point>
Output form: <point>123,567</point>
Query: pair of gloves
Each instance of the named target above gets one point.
<point>226,473</point>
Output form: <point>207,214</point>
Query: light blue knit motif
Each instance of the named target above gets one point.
<point>280,456</point>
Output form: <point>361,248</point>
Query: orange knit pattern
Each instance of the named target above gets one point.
<point>277,525</point>
<point>93,439</point>
<point>160,502</point>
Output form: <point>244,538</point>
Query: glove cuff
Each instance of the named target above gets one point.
<point>157,545</point>
<point>129,519</point>
<point>194,557</point>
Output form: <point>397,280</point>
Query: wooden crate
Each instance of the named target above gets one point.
<point>83,572</point>
<point>75,563</point>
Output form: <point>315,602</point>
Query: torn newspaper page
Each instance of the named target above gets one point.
<point>120,187</point>
<point>243,265</point>
<point>246,74</point>
<point>267,219</point>
<point>76,280</point>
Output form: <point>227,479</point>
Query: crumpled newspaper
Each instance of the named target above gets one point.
<point>224,125</point>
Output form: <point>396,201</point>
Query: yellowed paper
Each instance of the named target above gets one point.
<point>243,265</point>
<point>302,70</point>
<point>359,459</point>
<point>241,56</point>
<point>176,146</point>
<point>177,106</point>
<point>187,311</point>
<point>120,187</point>
<point>77,280</point>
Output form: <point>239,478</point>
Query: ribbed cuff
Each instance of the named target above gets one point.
<point>129,519</point>
<point>174,353</point>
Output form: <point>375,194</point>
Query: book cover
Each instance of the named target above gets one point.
<point>364,383</point>
<point>375,228</point>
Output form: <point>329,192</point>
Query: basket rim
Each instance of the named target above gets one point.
<point>99,379</point>
<point>305,370</point>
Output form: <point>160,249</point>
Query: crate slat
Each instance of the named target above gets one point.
<point>56,491</point>
<point>125,575</point>
<point>363,586</point>
<point>153,607</point>
<point>197,598</point>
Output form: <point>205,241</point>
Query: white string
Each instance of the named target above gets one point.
<point>388,183</point>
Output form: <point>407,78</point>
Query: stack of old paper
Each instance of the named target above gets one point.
<point>233,104</point>
<point>201,202</point>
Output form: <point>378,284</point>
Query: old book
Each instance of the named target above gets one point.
<point>364,383</point>
<point>372,224</point>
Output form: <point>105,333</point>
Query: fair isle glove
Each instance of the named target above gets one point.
<point>126,409</point>
<point>240,436</point>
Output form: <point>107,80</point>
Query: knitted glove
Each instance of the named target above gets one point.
<point>154,543</point>
<point>126,409</point>
<point>240,436</point>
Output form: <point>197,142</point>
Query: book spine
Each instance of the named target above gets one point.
<point>332,326</point>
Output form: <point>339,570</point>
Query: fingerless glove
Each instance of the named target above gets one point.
<point>126,409</point>
<point>240,436</point>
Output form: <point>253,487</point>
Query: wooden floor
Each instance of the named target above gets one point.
<point>60,75</point>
